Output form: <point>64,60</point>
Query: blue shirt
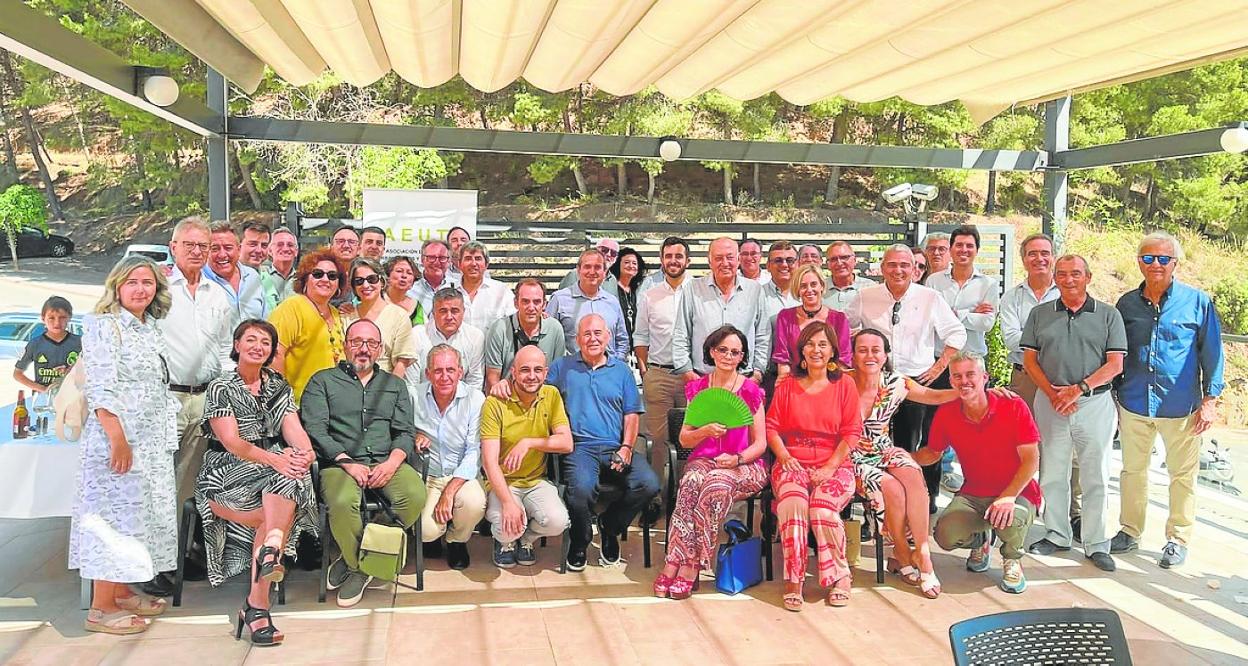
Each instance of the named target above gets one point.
<point>249,301</point>
<point>570,305</point>
<point>456,433</point>
<point>1174,353</point>
<point>597,399</point>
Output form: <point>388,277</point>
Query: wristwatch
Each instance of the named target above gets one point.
<point>1084,388</point>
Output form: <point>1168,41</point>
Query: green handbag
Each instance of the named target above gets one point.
<point>383,548</point>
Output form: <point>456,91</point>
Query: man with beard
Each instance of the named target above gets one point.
<point>241,283</point>
<point>661,388</point>
<point>528,326</point>
<point>364,441</point>
<point>587,296</point>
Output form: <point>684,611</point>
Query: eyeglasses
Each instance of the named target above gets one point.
<point>371,279</point>
<point>318,274</point>
<point>787,261</point>
<point>436,259</point>
<point>841,257</point>
<point>608,252</point>
<point>1162,259</point>
<point>198,247</point>
<point>346,242</point>
<point>730,353</point>
<point>896,313</point>
<point>371,345</point>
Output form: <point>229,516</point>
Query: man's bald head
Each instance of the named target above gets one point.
<point>528,371</point>
<point>593,336</point>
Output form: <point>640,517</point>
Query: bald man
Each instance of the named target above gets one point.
<point>604,409</point>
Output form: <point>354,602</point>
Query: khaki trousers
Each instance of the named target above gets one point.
<point>661,391</point>
<point>962,525</point>
<point>191,445</point>
<point>1021,384</point>
<point>467,510</point>
<point>340,492</point>
<point>1182,464</point>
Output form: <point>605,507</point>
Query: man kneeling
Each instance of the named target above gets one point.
<point>448,426</point>
<point>516,434</point>
<point>997,441</point>
<point>365,441</point>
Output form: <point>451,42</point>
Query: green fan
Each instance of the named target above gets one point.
<point>717,405</point>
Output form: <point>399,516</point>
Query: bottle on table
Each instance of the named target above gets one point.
<point>21,417</point>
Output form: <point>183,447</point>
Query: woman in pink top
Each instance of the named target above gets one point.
<point>807,287</point>
<point>812,425</point>
<point>725,466</point>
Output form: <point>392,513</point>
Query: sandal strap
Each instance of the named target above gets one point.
<point>114,620</point>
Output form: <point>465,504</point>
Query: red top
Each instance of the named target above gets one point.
<point>988,450</point>
<point>812,425</point>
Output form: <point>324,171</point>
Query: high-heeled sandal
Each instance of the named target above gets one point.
<point>682,588</point>
<point>663,585</point>
<point>269,565</point>
<point>929,584</point>
<point>267,635</point>
<point>909,574</point>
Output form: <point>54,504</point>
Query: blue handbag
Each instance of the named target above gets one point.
<point>738,564</point>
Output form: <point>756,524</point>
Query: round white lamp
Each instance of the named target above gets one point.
<point>1235,140</point>
<point>669,150</point>
<point>160,90</point>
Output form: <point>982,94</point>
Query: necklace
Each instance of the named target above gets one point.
<point>809,314</point>
<point>732,385</point>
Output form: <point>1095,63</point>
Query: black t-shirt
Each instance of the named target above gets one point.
<point>52,359</point>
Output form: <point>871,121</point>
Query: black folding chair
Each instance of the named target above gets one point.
<point>370,506</point>
<point>1041,636</point>
<point>191,525</point>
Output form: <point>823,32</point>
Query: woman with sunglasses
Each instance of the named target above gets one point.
<point>309,329</point>
<point>725,466</point>
<point>368,284</point>
<point>920,264</point>
<point>807,287</point>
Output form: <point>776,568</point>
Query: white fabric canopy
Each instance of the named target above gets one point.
<point>989,54</point>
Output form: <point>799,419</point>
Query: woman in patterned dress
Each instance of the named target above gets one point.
<point>725,466</point>
<point>886,474</point>
<point>252,491</point>
<point>124,523</point>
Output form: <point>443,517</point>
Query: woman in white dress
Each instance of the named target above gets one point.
<point>124,526</point>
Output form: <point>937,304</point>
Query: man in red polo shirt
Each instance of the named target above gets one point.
<point>997,441</point>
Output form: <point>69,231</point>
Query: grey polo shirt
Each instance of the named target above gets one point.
<point>1072,345</point>
<point>504,339</point>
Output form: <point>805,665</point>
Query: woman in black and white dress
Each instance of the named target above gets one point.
<point>254,491</point>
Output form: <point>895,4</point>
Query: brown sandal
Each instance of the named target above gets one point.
<point>118,623</point>
<point>142,605</point>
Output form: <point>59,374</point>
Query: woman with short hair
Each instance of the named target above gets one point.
<point>807,288</point>
<point>309,329</point>
<point>401,274</point>
<point>124,525</point>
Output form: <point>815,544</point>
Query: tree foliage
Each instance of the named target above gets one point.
<point>21,207</point>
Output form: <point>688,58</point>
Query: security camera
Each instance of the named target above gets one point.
<point>897,193</point>
<point>924,192</point>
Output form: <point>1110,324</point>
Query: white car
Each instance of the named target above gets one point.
<point>157,253</point>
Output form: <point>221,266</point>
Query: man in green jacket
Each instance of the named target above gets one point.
<point>365,441</point>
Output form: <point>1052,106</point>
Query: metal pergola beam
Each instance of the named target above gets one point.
<point>631,147</point>
<point>1150,149</point>
<point>38,38</point>
<point>1056,180</point>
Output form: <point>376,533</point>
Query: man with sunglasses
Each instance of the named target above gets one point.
<point>845,282</point>
<point>363,442</point>
<point>445,325</point>
<point>1171,380</point>
<point>527,327</point>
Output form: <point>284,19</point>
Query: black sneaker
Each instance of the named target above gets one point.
<point>525,555</point>
<point>1046,547</point>
<point>1123,543</point>
<point>610,555</point>
<point>576,558</point>
<point>1103,561</point>
<point>457,556</point>
<point>433,549</point>
<point>337,574</point>
<point>504,554</point>
<point>160,586</point>
<point>1172,555</point>
<point>1076,529</point>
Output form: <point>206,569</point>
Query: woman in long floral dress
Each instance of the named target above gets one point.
<point>124,526</point>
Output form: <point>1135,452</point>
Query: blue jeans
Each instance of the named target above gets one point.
<point>584,470</point>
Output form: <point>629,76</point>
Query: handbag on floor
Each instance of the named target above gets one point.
<point>739,563</point>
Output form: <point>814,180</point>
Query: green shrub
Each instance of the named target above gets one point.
<point>998,360</point>
<point>1230,297</point>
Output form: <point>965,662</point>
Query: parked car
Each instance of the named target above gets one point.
<point>18,328</point>
<point>157,253</point>
<point>37,243</point>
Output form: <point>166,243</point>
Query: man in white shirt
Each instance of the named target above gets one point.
<point>661,388</point>
<point>486,300</point>
<point>241,283</point>
<point>435,259</point>
<point>936,249</point>
<point>751,253</point>
<point>446,326</point>
<point>973,296</point>
<point>845,282</point>
<point>198,331</point>
<point>912,317</point>
<point>723,297</point>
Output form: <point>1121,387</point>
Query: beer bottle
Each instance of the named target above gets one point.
<point>21,417</point>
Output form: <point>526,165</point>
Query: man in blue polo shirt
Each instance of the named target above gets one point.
<point>604,408</point>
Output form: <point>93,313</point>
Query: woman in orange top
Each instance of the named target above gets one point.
<point>812,425</point>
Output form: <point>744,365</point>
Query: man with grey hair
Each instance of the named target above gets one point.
<point>486,300</point>
<point>845,282</point>
<point>936,249</point>
<point>1171,381</point>
<point>706,303</point>
<point>445,325</point>
<point>435,262</point>
<point>588,296</point>
<point>913,317</point>
<point>1072,349</point>
<point>241,282</point>
<point>277,274</point>
<point>447,414</point>
<point>996,439</point>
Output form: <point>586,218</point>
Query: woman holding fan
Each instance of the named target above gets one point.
<point>726,463</point>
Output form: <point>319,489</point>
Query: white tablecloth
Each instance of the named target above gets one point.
<point>37,474</point>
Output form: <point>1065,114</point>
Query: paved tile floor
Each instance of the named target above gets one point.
<point>1194,615</point>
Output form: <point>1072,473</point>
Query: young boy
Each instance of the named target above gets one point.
<point>53,352</point>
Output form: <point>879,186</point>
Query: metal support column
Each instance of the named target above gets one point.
<point>1056,140</point>
<point>218,151</point>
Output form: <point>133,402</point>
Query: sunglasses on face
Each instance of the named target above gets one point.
<point>730,353</point>
<point>1162,259</point>
<point>608,252</point>
<point>318,274</point>
<point>371,279</point>
<point>896,313</point>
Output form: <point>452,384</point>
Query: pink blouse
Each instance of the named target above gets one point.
<point>784,338</point>
<point>735,440</point>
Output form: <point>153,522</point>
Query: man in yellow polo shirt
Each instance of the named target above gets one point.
<point>516,435</point>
